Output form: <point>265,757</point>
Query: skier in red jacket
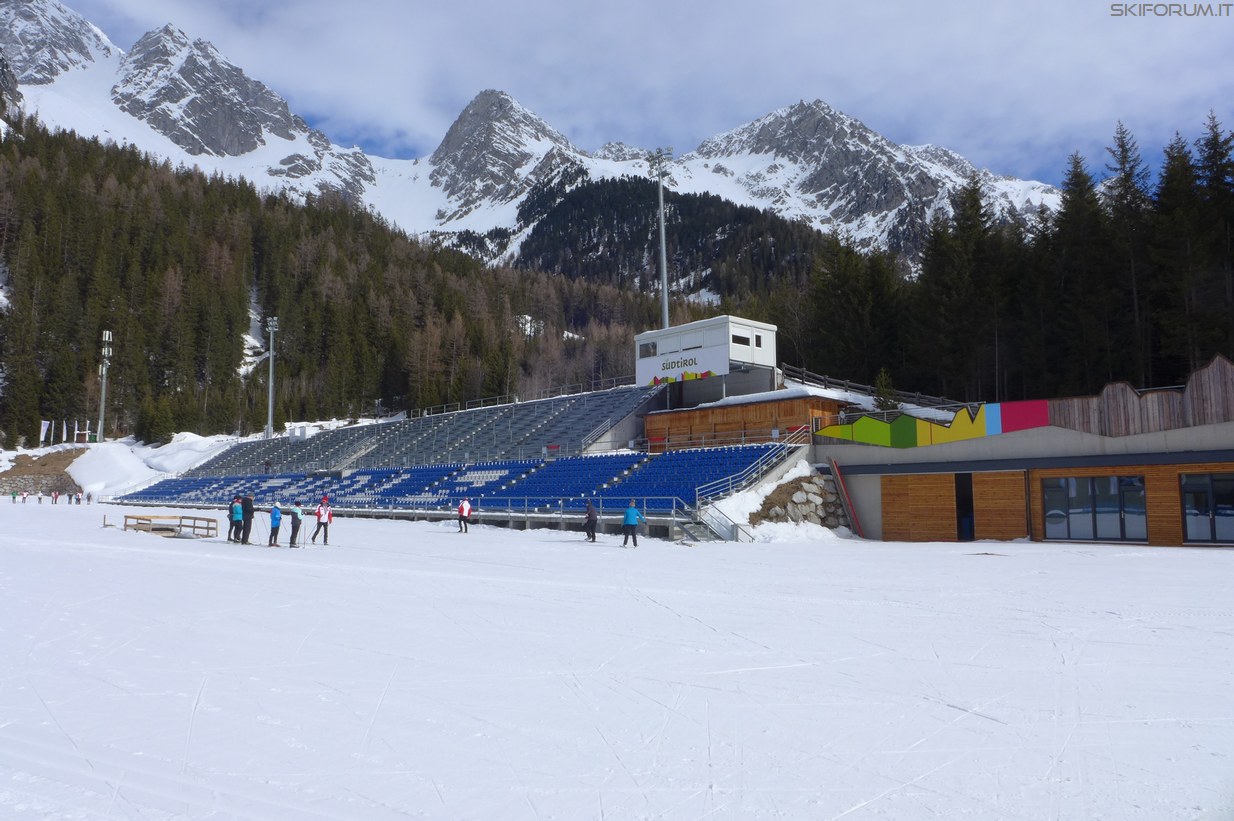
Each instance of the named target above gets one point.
<point>324,517</point>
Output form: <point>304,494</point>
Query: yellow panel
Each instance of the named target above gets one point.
<point>962,427</point>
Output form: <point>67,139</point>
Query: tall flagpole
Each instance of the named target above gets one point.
<point>106,356</point>
<point>658,162</point>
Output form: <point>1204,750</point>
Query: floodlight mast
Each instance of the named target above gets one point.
<point>272,325</point>
<point>658,161</point>
<point>105,352</point>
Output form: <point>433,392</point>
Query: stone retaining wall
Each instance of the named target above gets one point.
<point>811,499</point>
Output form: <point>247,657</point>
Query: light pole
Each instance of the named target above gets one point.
<point>106,355</point>
<point>272,325</point>
<point>658,162</point>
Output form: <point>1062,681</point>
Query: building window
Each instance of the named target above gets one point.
<point>1095,508</point>
<point>646,350</point>
<point>758,340</point>
<point>738,339</point>
<point>1208,507</point>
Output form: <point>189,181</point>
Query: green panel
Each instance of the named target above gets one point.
<point>904,432</point>
<point>872,432</point>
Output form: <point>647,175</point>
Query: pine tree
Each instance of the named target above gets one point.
<point>1126,199</point>
<point>885,392</point>
<point>1215,175</point>
<point>1177,253</point>
<point>1088,355</point>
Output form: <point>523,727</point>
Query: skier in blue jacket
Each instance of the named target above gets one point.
<point>629,525</point>
<point>276,518</point>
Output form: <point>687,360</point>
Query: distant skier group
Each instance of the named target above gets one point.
<point>242,510</point>
<point>69,497</point>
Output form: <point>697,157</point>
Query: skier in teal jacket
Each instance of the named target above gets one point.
<point>629,524</point>
<point>236,516</point>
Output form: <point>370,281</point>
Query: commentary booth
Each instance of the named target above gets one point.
<point>708,360</point>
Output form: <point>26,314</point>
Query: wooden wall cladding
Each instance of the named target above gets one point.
<point>919,507</point>
<point>1209,397</point>
<point>732,421</point>
<point>1120,410</point>
<point>1000,508</point>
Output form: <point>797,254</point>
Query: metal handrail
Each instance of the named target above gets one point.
<point>725,528</point>
<point>823,381</point>
<point>738,481</point>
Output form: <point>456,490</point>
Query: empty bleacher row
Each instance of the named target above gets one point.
<point>657,482</point>
<point>523,430</point>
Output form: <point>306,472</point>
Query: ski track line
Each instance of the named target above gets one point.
<point>368,731</point>
<point>60,727</point>
<point>964,713</point>
<point>188,736</point>
<point>900,786</point>
<point>621,763</point>
<point>696,619</point>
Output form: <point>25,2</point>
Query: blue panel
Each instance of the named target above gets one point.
<point>993,419</point>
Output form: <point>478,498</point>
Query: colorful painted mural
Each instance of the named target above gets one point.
<point>905,431</point>
<point>686,376</point>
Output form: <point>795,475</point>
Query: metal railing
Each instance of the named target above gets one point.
<point>760,436</point>
<point>729,485</point>
<point>720,524</point>
<point>823,381</point>
<point>551,392</point>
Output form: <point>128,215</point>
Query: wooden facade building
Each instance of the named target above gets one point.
<point>1153,468</point>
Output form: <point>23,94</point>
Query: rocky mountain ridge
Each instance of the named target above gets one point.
<point>180,99</point>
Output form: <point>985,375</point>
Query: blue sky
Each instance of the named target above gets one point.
<point>1015,87</point>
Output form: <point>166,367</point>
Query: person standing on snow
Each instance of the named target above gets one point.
<point>296,515</point>
<point>324,517</point>
<point>589,521</point>
<point>629,525</point>
<point>276,519</point>
<point>235,518</point>
<point>464,513</point>
<point>246,516</point>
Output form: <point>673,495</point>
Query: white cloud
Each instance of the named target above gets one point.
<point>1016,88</point>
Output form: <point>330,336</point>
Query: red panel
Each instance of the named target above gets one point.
<point>1024,415</point>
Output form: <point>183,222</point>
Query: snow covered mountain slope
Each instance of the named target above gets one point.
<point>179,99</point>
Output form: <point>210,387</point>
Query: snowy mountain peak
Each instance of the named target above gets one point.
<point>495,151</point>
<point>187,91</point>
<point>620,152</point>
<point>44,39</point>
<point>942,157</point>
<point>803,131</point>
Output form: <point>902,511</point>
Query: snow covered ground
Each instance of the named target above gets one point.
<point>410,671</point>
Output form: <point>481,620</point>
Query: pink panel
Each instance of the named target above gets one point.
<point>1034,413</point>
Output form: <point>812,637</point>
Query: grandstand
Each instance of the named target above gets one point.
<point>522,464</point>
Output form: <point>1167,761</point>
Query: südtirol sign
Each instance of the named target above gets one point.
<point>677,366</point>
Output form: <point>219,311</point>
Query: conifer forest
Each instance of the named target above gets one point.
<point>1131,279</point>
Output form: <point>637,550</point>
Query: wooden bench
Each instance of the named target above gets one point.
<point>182,526</point>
